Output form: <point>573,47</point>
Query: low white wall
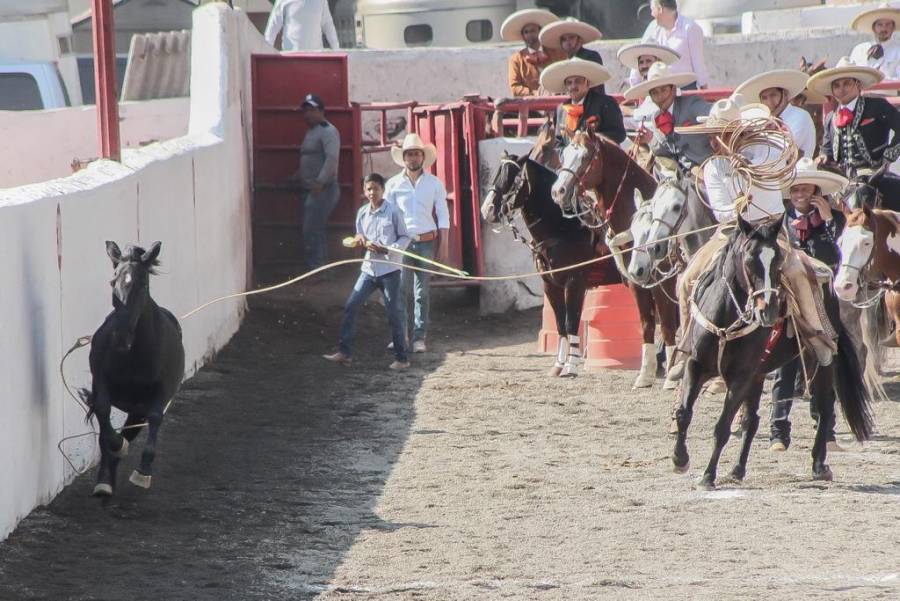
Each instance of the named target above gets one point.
<point>41,145</point>
<point>191,193</point>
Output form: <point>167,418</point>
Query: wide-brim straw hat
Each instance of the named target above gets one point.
<point>659,75</point>
<point>845,68</point>
<point>414,142</point>
<point>792,80</point>
<point>511,29</point>
<point>726,113</point>
<point>551,33</point>
<point>629,54</point>
<point>553,78</point>
<point>807,172</point>
<point>864,21</point>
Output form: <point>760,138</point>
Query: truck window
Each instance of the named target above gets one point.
<point>86,75</point>
<point>19,92</point>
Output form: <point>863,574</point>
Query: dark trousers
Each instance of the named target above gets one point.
<point>784,392</point>
<point>317,208</point>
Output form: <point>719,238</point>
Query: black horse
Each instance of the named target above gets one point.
<point>524,184</point>
<point>737,322</point>
<point>137,363</point>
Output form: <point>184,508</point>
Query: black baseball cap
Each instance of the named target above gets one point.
<point>313,101</point>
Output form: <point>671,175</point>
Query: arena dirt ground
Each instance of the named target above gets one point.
<point>471,476</point>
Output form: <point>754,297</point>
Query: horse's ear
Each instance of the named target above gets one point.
<point>112,249</point>
<point>745,227</point>
<point>150,256</point>
<point>638,199</point>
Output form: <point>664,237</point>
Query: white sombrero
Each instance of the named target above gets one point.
<point>553,77</point>
<point>845,68</point>
<point>659,75</point>
<point>724,113</point>
<point>628,55</point>
<point>792,80</point>
<point>551,33</point>
<point>511,30</point>
<point>414,142</point>
<point>807,172</point>
<point>864,21</point>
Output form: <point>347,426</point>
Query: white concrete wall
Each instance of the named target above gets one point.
<point>191,193</point>
<point>44,143</point>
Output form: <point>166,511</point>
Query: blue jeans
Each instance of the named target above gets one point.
<point>389,284</point>
<point>417,284</point>
<point>316,210</point>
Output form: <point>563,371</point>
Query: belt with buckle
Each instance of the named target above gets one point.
<point>426,236</point>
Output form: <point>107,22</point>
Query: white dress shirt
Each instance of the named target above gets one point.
<point>420,202</point>
<point>722,189</point>
<point>686,38</point>
<point>889,64</point>
<point>304,22</point>
<point>803,130</point>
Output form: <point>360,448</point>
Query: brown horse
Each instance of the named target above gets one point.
<point>870,260</point>
<point>596,185</point>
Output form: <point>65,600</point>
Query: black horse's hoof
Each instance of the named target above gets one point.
<point>680,465</point>
<point>739,472</point>
<point>103,489</point>
<point>139,479</point>
<point>823,474</point>
<point>707,482</point>
<point>123,450</point>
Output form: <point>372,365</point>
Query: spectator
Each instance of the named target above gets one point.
<point>682,35</point>
<point>302,24</point>
<point>882,53</point>
<point>421,196</point>
<point>379,228</point>
<point>570,35</point>
<point>639,57</point>
<point>525,66</point>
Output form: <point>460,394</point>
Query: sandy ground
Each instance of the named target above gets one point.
<point>471,476</point>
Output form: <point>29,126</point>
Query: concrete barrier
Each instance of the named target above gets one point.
<point>192,193</point>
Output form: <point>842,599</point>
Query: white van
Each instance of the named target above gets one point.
<point>31,87</point>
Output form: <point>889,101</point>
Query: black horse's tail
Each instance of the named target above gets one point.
<point>852,393</point>
<point>88,399</point>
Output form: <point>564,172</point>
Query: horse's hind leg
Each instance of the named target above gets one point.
<point>693,381</point>
<point>668,323</point>
<point>556,295</point>
<point>141,476</point>
<point>130,430</point>
<point>821,390</point>
<point>751,424</point>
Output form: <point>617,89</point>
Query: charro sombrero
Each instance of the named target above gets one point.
<point>414,142</point>
<point>511,30</point>
<point>659,75</point>
<point>553,77</point>
<point>864,21</point>
<point>725,113</point>
<point>792,80</point>
<point>845,68</point>
<point>628,55</point>
<point>807,172</point>
<point>551,33</point>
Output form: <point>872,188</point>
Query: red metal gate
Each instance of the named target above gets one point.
<point>280,82</point>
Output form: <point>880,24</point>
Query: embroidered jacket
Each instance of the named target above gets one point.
<point>872,136</point>
<point>820,240</point>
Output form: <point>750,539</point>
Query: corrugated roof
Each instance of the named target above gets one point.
<point>158,66</point>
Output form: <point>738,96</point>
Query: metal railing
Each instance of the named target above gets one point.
<point>384,143</point>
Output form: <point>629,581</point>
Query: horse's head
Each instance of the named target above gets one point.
<point>504,178</point>
<point>669,204</point>
<point>640,265</point>
<point>761,260</point>
<point>131,289</point>
<point>856,244</point>
<point>577,157</point>
<point>863,190</point>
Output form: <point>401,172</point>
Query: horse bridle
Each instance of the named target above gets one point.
<point>505,206</point>
<point>863,281</point>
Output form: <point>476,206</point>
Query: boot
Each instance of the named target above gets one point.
<point>647,376</point>
<point>570,369</point>
<point>670,382</point>
<point>562,351</point>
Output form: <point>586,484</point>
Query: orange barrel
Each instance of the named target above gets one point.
<point>612,329</point>
<point>548,338</point>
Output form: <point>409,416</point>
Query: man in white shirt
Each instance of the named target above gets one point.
<point>883,52</point>
<point>776,89</point>
<point>681,34</point>
<point>303,23</point>
<point>422,197</point>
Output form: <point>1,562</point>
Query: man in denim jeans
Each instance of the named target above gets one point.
<point>421,196</point>
<point>379,228</point>
<point>318,176</point>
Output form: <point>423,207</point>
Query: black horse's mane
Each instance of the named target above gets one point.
<point>134,254</point>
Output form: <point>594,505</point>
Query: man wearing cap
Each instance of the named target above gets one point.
<point>586,107</point>
<point>570,35</point>
<point>525,66</point>
<point>304,22</point>
<point>317,174</point>
<point>776,89</point>
<point>813,227</point>
<point>673,110</point>
<point>421,196</point>
<point>864,131</point>
<point>882,53</point>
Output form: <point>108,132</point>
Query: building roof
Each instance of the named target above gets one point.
<point>86,15</point>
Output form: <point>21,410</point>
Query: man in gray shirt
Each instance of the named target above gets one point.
<point>318,176</point>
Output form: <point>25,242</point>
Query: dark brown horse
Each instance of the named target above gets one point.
<point>596,185</point>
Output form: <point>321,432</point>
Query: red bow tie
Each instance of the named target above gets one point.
<point>844,117</point>
<point>804,223</point>
<point>665,123</point>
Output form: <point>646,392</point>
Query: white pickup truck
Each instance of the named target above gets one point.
<point>31,86</point>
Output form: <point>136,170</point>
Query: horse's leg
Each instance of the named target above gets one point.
<point>751,423</point>
<point>141,476</point>
<point>575,290</point>
<point>644,299</point>
<point>112,445</point>
<point>821,392</point>
<point>694,378</point>
<point>668,323</point>
<point>733,400</point>
<point>556,295</point>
